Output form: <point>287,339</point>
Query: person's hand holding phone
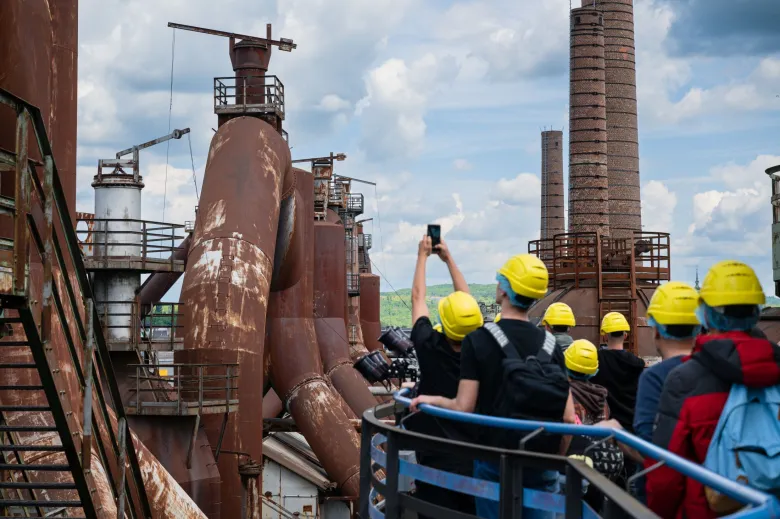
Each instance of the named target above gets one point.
<point>425,247</point>
<point>443,251</point>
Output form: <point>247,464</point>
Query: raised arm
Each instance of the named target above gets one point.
<point>419,306</point>
<point>458,281</point>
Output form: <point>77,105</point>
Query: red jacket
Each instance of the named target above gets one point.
<point>693,397</point>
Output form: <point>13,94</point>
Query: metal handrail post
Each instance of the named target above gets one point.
<point>86,442</point>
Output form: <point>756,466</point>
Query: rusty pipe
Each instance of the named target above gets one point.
<point>227,282</point>
<point>272,405</point>
<point>296,366</point>
<point>250,471</point>
<point>157,284</point>
<point>329,311</point>
<point>369,311</point>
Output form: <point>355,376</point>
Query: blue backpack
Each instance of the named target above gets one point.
<point>746,445</point>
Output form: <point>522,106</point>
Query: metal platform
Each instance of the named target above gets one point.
<point>382,470</point>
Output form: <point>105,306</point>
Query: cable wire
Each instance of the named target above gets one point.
<point>379,226</point>
<point>192,160</point>
<point>170,113</point>
<point>391,286</point>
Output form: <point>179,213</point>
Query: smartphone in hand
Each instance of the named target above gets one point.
<point>434,231</point>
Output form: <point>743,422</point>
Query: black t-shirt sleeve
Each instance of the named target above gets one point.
<point>558,358</point>
<point>468,360</point>
<point>422,332</point>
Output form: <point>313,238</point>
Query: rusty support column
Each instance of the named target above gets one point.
<point>250,471</point>
<point>296,366</point>
<point>227,283</point>
<point>370,323</point>
<point>329,311</point>
<point>588,181</point>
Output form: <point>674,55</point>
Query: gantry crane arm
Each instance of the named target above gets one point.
<point>284,44</point>
<point>175,134</point>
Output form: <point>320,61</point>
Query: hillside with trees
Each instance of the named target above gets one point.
<point>396,307</point>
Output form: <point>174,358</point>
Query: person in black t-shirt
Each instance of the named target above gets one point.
<point>521,281</point>
<point>438,358</point>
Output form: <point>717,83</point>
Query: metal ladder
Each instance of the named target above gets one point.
<point>37,419</point>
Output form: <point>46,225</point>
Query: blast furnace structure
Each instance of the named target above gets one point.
<point>278,300</point>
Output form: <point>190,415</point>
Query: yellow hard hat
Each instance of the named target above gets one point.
<point>614,322</point>
<point>559,314</point>
<point>527,275</point>
<point>731,283</point>
<point>460,315</point>
<point>497,318</point>
<point>582,357</point>
<point>674,303</point>
<point>437,327</point>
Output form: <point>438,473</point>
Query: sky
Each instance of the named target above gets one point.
<point>441,104</point>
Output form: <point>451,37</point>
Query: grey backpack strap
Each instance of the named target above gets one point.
<point>546,351</point>
<point>502,340</point>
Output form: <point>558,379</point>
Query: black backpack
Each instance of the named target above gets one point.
<point>531,389</point>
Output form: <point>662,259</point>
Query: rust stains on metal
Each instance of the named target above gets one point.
<point>250,472</point>
<point>297,368</point>
<point>168,439</point>
<point>369,311</point>
<point>64,79</point>
<point>227,282</point>
<point>329,312</point>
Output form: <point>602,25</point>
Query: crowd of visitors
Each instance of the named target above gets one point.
<point>717,374</point>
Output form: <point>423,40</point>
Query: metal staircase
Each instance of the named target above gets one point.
<point>617,284</point>
<point>61,414</point>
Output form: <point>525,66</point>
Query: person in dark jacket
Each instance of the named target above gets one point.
<point>672,315</point>
<point>695,393</point>
<point>619,370</point>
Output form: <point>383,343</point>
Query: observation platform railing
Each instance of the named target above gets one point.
<point>122,244</point>
<point>381,446</point>
<point>184,389</point>
<point>249,95</point>
<point>131,326</point>
<point>576,258</point>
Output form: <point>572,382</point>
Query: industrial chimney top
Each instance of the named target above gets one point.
<point>251,92</point>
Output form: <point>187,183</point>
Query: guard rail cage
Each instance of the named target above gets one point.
<point>383,470</point>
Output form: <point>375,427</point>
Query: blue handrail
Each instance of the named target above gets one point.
<point>732,489</point>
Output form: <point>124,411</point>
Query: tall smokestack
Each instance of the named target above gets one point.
<point>553,220</point>
<point>588,180</point>
<point>625,210</point>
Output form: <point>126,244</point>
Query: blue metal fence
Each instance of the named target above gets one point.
<point>379,451</point>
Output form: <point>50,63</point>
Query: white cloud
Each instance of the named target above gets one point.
<point>524,189</point>
<point>394,107</point>
<point>462,164</point>
<point>658,205</point>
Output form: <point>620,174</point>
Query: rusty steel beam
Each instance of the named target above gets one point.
<point>329,312</point>
<point>227,281</point>
<point>284,44</point>
<point>296,366</point>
